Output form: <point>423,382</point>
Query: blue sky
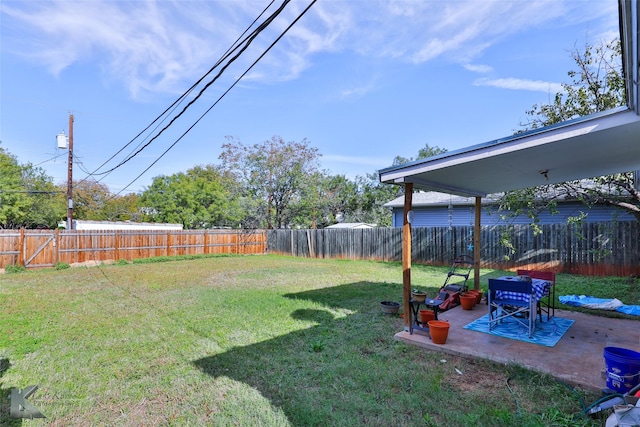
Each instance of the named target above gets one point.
<point>361,80</point>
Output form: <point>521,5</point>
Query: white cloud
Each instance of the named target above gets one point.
<point>478,68</point>
<point>164,46</point>
<point>521,84</point>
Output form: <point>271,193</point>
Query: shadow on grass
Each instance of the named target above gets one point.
<point>5,403</point>
<point>339,366</point>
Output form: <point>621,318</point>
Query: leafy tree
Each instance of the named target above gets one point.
<point>198,198</point>
<point>123,208</point>
<point>324,200</point>
<point>272,177</point>
<point>90,200</point>
<point>375,194</point>
<point>28,197</point>
<point>429,151</point>
<point>47,201</point>
<point>423,153</point>
<point>597,85</point>
<point>14,201</point>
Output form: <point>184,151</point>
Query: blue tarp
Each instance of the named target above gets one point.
<point>600,303</point>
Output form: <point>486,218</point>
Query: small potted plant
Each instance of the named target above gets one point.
<point>389,307</point>
<point>418,296</point>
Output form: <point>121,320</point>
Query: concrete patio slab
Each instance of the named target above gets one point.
<point>577,359</point>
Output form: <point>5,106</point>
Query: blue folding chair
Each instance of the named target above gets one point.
<point>512,298</point>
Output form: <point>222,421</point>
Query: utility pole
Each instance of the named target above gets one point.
<point>70,177</point>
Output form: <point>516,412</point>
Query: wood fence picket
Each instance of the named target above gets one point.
<point>595,249</point>
<point>46,248</point>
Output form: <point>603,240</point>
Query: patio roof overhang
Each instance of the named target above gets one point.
<point>601,144</point>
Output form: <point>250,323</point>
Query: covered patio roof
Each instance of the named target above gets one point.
<point>597,145</point>
<point>600,144</point>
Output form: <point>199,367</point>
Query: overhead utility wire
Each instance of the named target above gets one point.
<point>221,96</point>
<point>48,160</point>
<point>236,44</point>
<point>247,42</point>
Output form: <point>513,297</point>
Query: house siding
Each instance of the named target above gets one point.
<point>443,216</point>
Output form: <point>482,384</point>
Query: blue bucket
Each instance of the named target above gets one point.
<point>622,368</point>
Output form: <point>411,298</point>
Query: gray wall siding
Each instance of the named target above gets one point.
<point>460,216</point>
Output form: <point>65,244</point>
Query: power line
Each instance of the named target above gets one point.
<point>48,160</point>
<point>234,46</point>
<point>31,191</point>
<point>225,92</point>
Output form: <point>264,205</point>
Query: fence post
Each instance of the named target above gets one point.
<point>22,245</point>
<point>56,243</point>
<point>116,246</point>
<point>168,243</point>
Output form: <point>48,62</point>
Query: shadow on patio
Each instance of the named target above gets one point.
<point>576,359</point>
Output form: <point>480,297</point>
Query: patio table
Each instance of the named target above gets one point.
<point>431,303</point>
<point>540,288</point>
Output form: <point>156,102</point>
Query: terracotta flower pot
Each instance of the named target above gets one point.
<point>439,331</point>
<point>425,316</point>
<point>418,296</point>
<point>468,301</point>
<point>479,299</point>
<point>478,295</point>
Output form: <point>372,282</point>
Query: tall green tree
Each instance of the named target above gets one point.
<point>14,200</point>
<point>28,197</point>
<point>375,194</point>
<point>123,208</point>
<point>47,201</point>
<point>90,200</point>
<point>272,176</point>
<point>597,84</point>
<point>325,199</point>
<point>423,153</point>
<point>198,198</point>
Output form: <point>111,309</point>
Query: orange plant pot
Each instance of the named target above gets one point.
<point>439,331</point>
<point>425,316</point>
<point>467,301</point>
<point>479,299</point>
<point>478,295</point>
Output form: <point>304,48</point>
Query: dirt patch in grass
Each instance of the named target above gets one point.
<point>471,376</point>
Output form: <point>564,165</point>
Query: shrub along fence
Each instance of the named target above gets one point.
<point>46,248</point>
<point>595,249</point>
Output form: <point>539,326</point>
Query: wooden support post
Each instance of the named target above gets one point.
<point>476,244</point>
<point>406,254</point>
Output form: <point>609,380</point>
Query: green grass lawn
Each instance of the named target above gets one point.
<point>252,341</point>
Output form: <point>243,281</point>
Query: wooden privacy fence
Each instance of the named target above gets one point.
<point>596,249</point>
<point>46,248</point>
